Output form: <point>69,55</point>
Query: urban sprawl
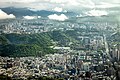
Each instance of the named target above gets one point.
<point>97,58</point>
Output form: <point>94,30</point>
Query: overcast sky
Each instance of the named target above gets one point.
<point>65,4</point>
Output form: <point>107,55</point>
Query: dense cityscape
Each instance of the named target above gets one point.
<point>95,56</point>
<point>59,39</point>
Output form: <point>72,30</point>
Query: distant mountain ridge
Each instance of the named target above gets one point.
<point>20,12</point>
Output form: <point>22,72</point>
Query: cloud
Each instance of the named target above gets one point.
<point>38,16</point>
<point>31,17</point>
<point>107,5</point>
<point>19,1</point>
<point>57,9</point>
<point>4,15</point>
<point>58,1</point>
<point>65,4</point>
<point>96,13</point>
<point>80,15</point>
<point>61,17</point>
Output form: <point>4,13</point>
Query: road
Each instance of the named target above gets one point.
<point>107,49</point>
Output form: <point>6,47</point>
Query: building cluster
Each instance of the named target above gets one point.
<point>66,66</point>
<point>90,59</point>
<point>22,26</point>
<point>115,52</point>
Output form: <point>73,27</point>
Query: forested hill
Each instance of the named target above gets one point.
<point>33,44</point>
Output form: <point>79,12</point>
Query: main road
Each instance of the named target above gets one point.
<point>107,48</point>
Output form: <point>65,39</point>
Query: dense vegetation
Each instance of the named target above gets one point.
<point>34,44</point>
<point>24,45</point>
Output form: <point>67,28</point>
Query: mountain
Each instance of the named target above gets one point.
<point>20,12</point>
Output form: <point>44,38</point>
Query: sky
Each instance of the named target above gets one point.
<point>87,7</point>
<point>64,4</point>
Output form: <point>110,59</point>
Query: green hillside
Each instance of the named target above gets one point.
<point>33,44</point>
